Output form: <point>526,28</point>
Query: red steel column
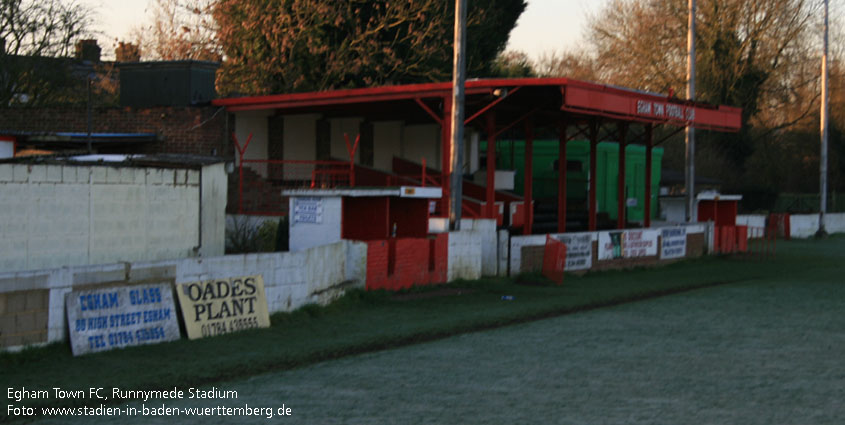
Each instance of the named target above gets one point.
<point>648,146</point>
<point>621,194</point>
<point>594,135</point>
<point>491,164</point>
<point>446,158</point>
<point>561,176</point>
<point>529,177</point>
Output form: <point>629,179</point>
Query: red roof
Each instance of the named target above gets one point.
<point>542,97</point>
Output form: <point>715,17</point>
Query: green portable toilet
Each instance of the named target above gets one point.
<point>511,156</point>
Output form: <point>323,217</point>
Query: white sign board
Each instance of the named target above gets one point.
<point>7,149</point>
<point>673,243</point>
<point>308,210</point>
<point>579,250</point>
<point>221,306</point>
<point>627,244</point>
<point>117,317</point>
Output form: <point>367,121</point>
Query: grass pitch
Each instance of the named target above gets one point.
<point>761,349</point>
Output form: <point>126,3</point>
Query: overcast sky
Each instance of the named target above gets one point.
<point>546,25</point>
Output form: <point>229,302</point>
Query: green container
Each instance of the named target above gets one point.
<point>511,156</point>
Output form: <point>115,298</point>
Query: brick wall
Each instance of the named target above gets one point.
<point>184,130</point>
<point>395,264</point>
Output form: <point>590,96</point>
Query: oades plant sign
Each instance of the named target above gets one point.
<point>107,318</point>
<point>221,306</point>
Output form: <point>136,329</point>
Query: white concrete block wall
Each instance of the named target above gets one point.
<point>214,193</point>
<point>503,257</point>
<point>487,233</point>
<point>751,220</point>
<point>465,255</point>
<point>291,280</point>
<point>489,245</point>
<point>64,215</point>
<point>834,222</point>
<point>806,225</point>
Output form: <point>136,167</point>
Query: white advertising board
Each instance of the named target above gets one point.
<point>579,250</point>
<point>673,243</point>
<point>116,317</point>
<point>627,244</point>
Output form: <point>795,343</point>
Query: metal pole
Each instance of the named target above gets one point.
<point>690,131</point>
<point>457,125</point>
<point>824,113</point>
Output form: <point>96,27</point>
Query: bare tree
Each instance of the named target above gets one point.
<point>42,27</point>
<point>36,34</point>
<point>180,29</point>
<point>571,64</point>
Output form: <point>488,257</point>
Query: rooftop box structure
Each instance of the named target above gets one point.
<point>176,83</point>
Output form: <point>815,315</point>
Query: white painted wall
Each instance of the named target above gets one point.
<point>255,123</point>
<point>806,225</point>
<point>387,143</point>
<point>214,184</point>
<point>291,280</point>
<point>465,255</point>
<point>422,141</point>
<point>7,149</point>
<point>751,220</point>
<point>351,127</point>
<point>504,255</point>
<point>300,137</point>
<point>65,215</point>
<point>486,229</point>
<point>308,235</point>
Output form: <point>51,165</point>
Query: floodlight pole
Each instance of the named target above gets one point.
<point>824,132</point>
<point>457,124</point>
<point>690,131</point>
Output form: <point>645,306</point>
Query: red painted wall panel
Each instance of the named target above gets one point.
<point>407,263</point>
<point>410,216</point>
<point>365,219</point>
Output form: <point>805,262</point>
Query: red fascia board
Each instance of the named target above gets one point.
<point>375,94</point>
<point>336,97</point>
<point>578,96</point>
<point>644,107</point>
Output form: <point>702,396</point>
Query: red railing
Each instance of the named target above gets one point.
<point>750,242</point>
<point>277,174</point>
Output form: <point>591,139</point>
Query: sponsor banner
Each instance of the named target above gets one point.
<point>579,250</point>
<point>627,244</point>
<point>673,243</point>
<point>221,306</point>
<point>308,210</point>
<point>610,245</point>
<point>116,317</point>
